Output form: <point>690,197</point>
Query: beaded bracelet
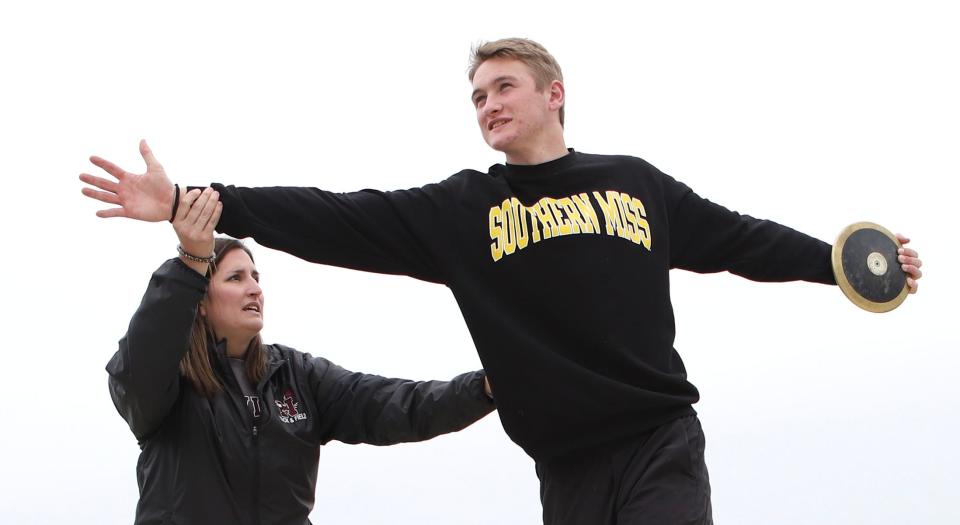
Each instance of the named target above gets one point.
<point>194,258</point>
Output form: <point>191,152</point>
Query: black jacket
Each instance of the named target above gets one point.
<point>209,460</point>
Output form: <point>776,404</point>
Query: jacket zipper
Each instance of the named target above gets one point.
<point>256,468</point>
<point>227,375</point>
<point>255,434</point>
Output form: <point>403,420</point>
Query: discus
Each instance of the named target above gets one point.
<point>866,267</point>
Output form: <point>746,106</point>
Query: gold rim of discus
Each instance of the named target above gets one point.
<point>836,257</point>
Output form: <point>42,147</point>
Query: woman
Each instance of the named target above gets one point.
<point>230,428</point>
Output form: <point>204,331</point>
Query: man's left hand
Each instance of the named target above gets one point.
<point>910,262</point>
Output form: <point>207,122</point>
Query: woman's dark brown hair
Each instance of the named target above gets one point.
<point>196,363</point>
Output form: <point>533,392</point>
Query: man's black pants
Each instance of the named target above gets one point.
<point>658,479</point>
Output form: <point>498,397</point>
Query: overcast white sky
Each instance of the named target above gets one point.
<point>816,115</point>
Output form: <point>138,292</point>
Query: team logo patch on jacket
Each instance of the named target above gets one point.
<point>289,407</point>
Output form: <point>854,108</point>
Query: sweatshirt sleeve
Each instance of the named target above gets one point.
<point>144,373</point>
<point>365,408</point>
<point>395,232</point>
<point>706,238</point>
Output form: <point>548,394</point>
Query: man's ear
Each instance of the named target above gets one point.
<point>557,95</point>
<point>203,309</point>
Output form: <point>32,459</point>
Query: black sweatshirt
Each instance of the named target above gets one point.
<point>212,460</point>
<point>561,271</point>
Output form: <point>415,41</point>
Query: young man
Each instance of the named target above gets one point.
<point>560,263</point>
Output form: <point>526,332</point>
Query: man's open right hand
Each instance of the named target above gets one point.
<point>146,197</point>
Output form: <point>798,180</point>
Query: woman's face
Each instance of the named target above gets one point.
<point>234,302</point>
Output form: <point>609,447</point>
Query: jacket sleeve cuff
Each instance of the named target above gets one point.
<point>190,276</point>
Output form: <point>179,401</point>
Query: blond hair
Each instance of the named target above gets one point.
<point>541,63</point>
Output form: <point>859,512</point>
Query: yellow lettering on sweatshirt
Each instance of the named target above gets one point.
<point>496,233</point>
<point>513,227</point>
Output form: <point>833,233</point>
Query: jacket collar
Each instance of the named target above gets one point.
<point>274,360</point>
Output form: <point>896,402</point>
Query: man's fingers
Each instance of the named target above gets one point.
<point>905,260</point>
<point>102,196</point>
<point>907,252</point>
<point>147,155</point>
<point>909,262</point>
<point>912,285</point>
<point>112,212</point>
<point>109,167</point>
<point>912,270</point>
<point>100,182</point>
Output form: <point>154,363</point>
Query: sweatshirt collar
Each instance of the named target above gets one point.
<point>525,172</point>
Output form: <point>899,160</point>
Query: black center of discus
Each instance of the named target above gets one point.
<point>860,253</point>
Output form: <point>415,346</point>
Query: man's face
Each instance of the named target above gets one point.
<point>511,112</point>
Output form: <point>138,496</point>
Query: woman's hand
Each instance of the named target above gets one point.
<point>146,197</point>
<point>196,219</point>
